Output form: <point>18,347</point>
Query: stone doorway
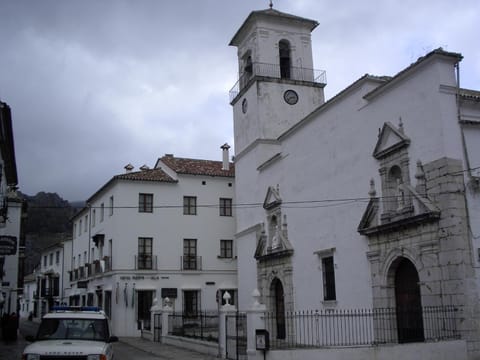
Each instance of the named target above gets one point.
<point>408,302</point>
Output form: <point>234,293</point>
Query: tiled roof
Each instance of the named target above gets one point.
<point>146,175</point>
<point>197,167</point>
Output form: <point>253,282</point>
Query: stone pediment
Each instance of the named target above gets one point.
<point>418,210</point>
<point>272,199</point>
<point>390,140</point>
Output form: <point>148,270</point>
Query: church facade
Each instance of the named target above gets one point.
<point>369,199</point>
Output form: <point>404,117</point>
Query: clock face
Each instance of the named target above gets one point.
<point>290,97</point>
<point>244,106</point>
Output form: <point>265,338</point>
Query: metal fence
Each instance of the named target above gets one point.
<point>360,327</point>
<point>203,325</point>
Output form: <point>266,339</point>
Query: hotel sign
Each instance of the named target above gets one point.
<point>8,245</point>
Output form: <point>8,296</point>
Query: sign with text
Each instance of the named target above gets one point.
<point>8,245</point>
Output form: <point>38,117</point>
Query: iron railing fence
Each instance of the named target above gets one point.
<point>203,325</point>
<point>361,327</point>
<point>190,262</point>
<point>277,72</point>
<point>145,262</point>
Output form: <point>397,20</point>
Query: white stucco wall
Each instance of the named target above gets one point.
<point>330,157</point>
<point>168,227</point>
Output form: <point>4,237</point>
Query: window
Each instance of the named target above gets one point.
<point>111,205</point>
<point>191,303</point>
<point>145,203</point>
<point>102,211</point>
<point>144,260</point>
<point>190,254</point>
<point>86,223</point>
<point>225,207</point>
<point>94,217</point>
<point>51,259</point>
<point>45,260</point>
<point>328,269</point>
<point>284,52</point>
<point>57,257</point>
<point>144,303</point>
<point>80,228</point>
<point>226,249</point>
<point>189,205</point>
<point>74,230</point>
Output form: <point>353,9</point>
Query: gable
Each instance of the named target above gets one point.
<point>272,199</point>
<point>389,140</point>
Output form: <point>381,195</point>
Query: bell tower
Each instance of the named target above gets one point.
<point>277,85</point>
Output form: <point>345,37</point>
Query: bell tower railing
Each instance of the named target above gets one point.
<point>276,72</point>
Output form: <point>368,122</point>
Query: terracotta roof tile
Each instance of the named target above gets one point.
<point>146,175</point>
<point>197,167</point>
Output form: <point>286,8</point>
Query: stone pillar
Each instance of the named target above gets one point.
<point>255,320</point>
<point>225,310</point>
<point>166,311</point>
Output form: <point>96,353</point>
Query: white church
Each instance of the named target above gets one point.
<point>371,200</point>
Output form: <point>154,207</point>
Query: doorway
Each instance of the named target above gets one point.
<point>408,303</point>
<point>279,305</point>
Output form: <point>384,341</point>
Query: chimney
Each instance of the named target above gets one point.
<point>144,168</point>
<point>225,162</point>
<point>128,168</point>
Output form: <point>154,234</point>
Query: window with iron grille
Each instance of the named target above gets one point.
<point>225,207</point>
<point>328,269</point>
<point>145,203</point>
<point>190,254</point>
<point>144,260</point>
<point>226,248</point>
<point>189,205</point>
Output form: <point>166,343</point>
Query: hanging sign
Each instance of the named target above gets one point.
<point>8,245</point>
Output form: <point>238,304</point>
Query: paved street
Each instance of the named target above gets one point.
<point>125,349</point>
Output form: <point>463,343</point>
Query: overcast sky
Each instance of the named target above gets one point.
<point>97,84</point>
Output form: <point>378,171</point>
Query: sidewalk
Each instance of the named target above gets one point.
<point>164,351</point>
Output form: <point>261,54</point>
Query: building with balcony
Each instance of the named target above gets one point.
<point>367,201</point>
<point>46,286</point>
<point>12,241</point>
<point>166,232</point>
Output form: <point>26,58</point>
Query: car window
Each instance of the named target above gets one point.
<point>73,329</point>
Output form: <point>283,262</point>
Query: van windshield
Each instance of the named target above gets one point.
<point>73,329</point>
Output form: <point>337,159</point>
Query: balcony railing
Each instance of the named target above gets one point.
<point>277,72</point>
<point>145,262</point>
<point>189,262</point>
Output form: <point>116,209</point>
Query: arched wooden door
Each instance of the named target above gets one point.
<point>409,305</point>
<point>279,308</point>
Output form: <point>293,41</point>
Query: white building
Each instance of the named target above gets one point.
<point>156,233</point>
<point>28,300</point>
<point>11,241</point>
<point>370,199</point>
